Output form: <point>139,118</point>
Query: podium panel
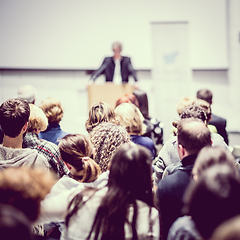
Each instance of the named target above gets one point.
<point>108,93</point>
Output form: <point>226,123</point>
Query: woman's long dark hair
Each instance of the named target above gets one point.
<point>129,180</point>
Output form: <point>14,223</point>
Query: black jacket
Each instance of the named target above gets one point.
<point>108,66</point>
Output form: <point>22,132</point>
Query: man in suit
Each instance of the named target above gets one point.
<point>117,68</point>
<point>218,122</point>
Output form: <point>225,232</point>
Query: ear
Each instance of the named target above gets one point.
<point>68,165</point>
<point>25,127</point>
<point>181,151</point>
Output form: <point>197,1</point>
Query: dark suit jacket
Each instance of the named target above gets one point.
<point>108,67</point>
<point>220,124</point>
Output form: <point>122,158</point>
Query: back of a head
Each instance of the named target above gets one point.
<point>130,117</point>
<point>127,98</point>
<point>130,172</point>
<point>14,113</point>
<point>205,94</point>
<point>194,111</point>
<point>213,198</point>
<point>205,106</point>
<point>53,109</point>
<point>77,150</point>
<point>37,119</point>
<point>143,102</point>
<point>99,112</point>
<point>24,188</point>
<point>106,138</point>
<point>14,224</point>
<point>184,102</point>
<point>210,156</point>
<point>27,93</point>
<point>193,135</point>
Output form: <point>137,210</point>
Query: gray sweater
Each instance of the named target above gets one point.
<point>10,157</point>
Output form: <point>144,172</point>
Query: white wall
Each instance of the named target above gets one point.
<point>77,34</point>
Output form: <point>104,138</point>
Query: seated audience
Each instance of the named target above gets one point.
<point>168,155</point>
<point>192,136</point>
<point>38,122</point>
<point>53,110</point>
<point>14,116</point>
<point>131,118</point>
<point>99,112</point>
<point>24,188</point>
<point>106,138</point>
<point>218,122</point>
<point>184,227</point>
<point>122,210</point>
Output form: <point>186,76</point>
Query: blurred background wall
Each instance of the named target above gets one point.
<point>55,46</point>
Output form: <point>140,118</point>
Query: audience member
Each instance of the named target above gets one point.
<point>213,198</point>
<point>77,153</point>
<point>27,93</point>
<point>154,128</point>
<point>184,227</point>
<point>14,224</point>
<point>131,118</point>
<point>106,139</point>
<point>218,122</point>
<point>24,188</point>
<point>168,155</point>
<point>122,210</point>
<point>192,136</point>
<point>117,68</point>
<point>99,112</point>
<point>38,122</point>
<point>14,116</point>
<point>54,111</point>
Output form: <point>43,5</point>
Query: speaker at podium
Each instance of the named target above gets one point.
<point>108,93</point>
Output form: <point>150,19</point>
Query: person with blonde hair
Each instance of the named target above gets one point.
<point>131,118</point>
<point>38,122</point>
<point>53,110</point>
<point>99,112</point>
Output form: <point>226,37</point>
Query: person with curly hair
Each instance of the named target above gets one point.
<point>99,112</point>
<point>106,138</point>
<point>122,210</point>
<point>53,110</point>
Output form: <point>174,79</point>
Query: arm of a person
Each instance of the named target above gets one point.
<point>99,71</point>
<point>131,70</point>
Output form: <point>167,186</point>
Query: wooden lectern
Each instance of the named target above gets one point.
<point>108,93</point>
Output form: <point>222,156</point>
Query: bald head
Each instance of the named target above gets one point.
<point>193,135</point>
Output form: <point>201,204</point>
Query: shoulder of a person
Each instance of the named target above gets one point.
<point>216,118</point>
